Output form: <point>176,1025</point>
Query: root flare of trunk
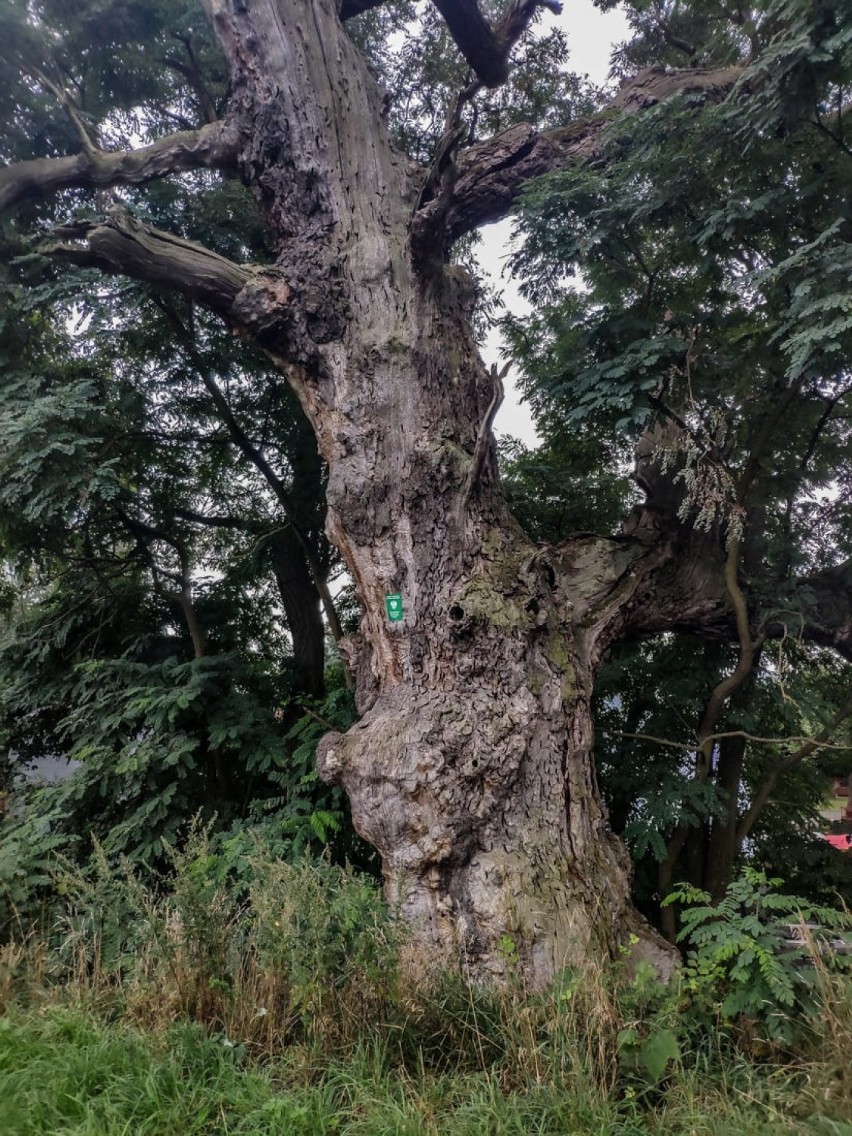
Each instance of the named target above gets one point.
<point>495,849</point>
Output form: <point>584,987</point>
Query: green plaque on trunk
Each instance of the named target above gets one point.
<point>393,606</point>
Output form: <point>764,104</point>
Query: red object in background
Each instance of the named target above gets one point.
<point>841,841</point>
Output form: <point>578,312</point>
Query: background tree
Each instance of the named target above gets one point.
<point>710,322</point>
<point>175,582</point>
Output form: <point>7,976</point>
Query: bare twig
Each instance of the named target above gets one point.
<point>690,747</point>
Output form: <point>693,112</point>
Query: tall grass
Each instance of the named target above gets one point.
<point>282,954</point>
<point>275,1002</point>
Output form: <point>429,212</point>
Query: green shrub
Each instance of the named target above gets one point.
<point>265,951</point>
<point>653,1029</point>
<point>327,929</point>
<point>746,956</point>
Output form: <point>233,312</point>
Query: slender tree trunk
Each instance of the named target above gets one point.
<point>218,780</point>
<point>302,595</point>
<point>721,844</point>
<point>302,611</point>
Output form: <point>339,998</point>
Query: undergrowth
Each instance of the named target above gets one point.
<point>277,998</point>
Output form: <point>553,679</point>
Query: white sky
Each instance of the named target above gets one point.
<point>591,35</point>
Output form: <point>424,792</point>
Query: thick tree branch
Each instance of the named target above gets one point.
<point>827,620</point>
<point>682,594</point>
<point>685,590</point>
<point>492,174</point>
<point>212,146</point>
<point>250,298</point>
<point>487,49</point>
<point>123,245</point>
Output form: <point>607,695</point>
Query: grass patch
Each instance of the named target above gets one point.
<point>276,1003</point>
<point>64,1071</point>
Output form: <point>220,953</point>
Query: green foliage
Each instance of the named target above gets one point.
<point>278,994</point>
<point>649,698</point>
<point>146,558</point>
<point>144,561</point>
<point>151,753</point>
<point>671,284</point>
<point>297,942</point>
<point>102,52</point>
<point>565,486</point>
<point>151,743</point>
<point>648,1056</point>
<point>301,817</point>
<point>117,1079</point>
<point>328,930</point>
<point>747,949</point>
<point>145,550</point>
<point>690,290</point>
<point>28,854</point>
<point>567,1060</point>
<point>112,1078</point>
<point>422,72</point>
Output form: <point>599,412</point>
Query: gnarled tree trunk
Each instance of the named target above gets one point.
<point>470,769</point>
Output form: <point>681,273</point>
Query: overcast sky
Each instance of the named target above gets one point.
<point>591,35</point>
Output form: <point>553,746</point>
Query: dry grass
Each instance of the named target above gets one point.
<point>301,965</point>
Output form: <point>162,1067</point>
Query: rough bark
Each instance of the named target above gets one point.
<point>470,769</point>
<point>123,245</point>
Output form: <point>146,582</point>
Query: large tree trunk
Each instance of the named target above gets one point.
<point>470,769</point>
